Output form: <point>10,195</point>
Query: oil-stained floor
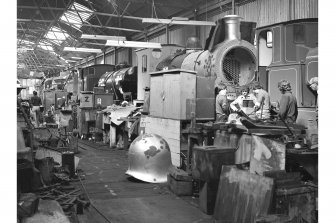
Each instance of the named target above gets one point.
<point>124,199</point>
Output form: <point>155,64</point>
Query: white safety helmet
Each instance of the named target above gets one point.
<point>149,158</point>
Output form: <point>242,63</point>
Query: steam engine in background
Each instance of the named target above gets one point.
<point>289,51</point>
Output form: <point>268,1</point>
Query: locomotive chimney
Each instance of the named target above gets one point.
<point>232,27</point>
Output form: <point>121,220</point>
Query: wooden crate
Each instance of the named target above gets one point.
<point>171,92</point>
<point>86,100</point>
<point>169,129</point>
<point>296,201</point>
<point>179,187</point>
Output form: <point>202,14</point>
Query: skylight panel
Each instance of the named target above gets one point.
<point>56,35</point>
<point>71,16</point>
<point>45,45</point>
<point>21,41</point>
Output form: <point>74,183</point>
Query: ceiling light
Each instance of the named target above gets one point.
<point>86,50</point>
<point>134,44</point>
<point>70,61</point>
<point>77,58</point>
<point>100,37</point>
<point>178,21</point>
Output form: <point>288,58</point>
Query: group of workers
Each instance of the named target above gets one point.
<point>36,104</point>
<point>259,99</point>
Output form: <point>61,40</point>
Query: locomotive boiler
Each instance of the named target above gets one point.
<point>229,57</point>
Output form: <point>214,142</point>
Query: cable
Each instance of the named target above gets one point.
<point>89,199</point>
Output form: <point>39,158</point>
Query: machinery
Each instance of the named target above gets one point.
<point>118,82</point>
<point>229,56</point>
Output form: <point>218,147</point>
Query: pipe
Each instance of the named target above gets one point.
<point>232,27</point>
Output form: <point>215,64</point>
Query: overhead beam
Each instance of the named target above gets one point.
<point>89,25</point>
<point>178,21</point>
<point>133,44</point>
<point>203,11</point>
<point>71,10</point>
<point>102,37</point>
<point>86,50</point>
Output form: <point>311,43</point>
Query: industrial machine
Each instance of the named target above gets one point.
<point>118,82</point>
<point>229,56</point>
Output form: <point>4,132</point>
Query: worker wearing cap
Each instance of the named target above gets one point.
<point>262,102</point>
<point>35,103</point>
<point>288,107</point>
<point>221,105</point>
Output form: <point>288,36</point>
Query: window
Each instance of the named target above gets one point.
<point>269,39</point>
<point>144,63</point>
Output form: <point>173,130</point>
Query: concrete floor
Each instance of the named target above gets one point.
<point>124,199</point>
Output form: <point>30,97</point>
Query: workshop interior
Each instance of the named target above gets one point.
<point>165,111</point>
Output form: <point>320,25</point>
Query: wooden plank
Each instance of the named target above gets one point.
<point>207,196</point>
<point>242,196</point>
<point>167,128</point>
<point>156,96</point>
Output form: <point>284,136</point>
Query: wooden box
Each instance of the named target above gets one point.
<point>103,100</point>
<point>86,99</point>
<point>207,161</point>
<point>296,201</point>
<point>179,187</point>
<point>169,129</point>
<point>171,93</point>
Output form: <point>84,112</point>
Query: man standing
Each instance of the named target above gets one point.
<point>221,103</point>
<point>35,103</point>
<point>288,107</point>
<point>262,104</point>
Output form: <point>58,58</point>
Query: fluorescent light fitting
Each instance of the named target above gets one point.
<point>178,21</point>
<point>70,61</point>
<point>86,50</point>
<point>101,37</point>
<point>133,44</point>
<point>77,58</point>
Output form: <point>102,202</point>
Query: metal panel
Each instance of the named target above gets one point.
<point>180,36</point>
<point>242,196</point>
<point>122,56</point>
<point>304,9</point>
<point>208,160</point>
<point>110,58</point>
<point>272,11</point>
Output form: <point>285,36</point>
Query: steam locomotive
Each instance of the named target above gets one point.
<point>237,53</point>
